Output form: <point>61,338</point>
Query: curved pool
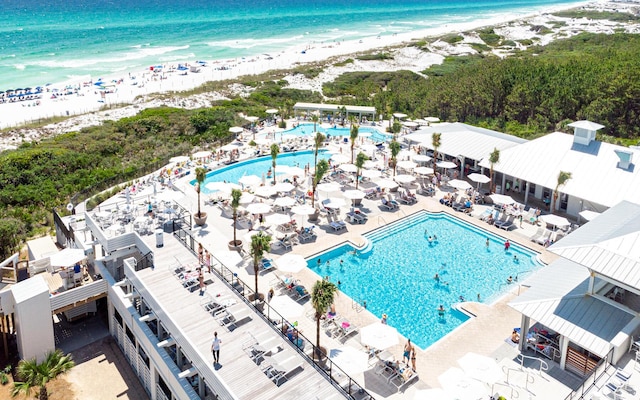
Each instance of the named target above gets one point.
<point>260,165</point>
<point>395,272</point>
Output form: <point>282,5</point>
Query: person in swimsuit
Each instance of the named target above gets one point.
<point>408,348</point>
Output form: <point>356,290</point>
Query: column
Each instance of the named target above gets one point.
<point>524,329</point>
<point>564,347</point>
<point>504,181</point>
<point>526,192</point>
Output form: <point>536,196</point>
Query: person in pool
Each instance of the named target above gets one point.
<point>441,310</point>
<point>437,277</point>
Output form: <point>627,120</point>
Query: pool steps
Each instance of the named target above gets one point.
<point>392,228</point>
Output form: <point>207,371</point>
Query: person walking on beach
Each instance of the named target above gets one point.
<point>215,348</point>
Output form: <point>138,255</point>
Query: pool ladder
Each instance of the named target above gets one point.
<point>383,220</point>
<point>358,304</point>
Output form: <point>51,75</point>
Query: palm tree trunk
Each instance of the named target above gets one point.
<point>318,335</point>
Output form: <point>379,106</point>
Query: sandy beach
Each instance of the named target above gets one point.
<point>137,91</point>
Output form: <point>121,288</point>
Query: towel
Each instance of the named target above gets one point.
<point>345,325</point>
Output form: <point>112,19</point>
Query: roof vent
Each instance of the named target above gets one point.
<point>626,157</point>
<point>584,132</point>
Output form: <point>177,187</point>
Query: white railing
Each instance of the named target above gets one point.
<point>77,295</point>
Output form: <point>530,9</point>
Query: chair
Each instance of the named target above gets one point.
<point>266,264</point>
<point>544,238</point>
<point>508,224</point>
<point>264,347</point>
<point>538,235</point>
<point>280,371</point>
<point>299,292</point>
<point>404,378</point>
<point>392,201</point>
<point>385,203</point>
<point>231,317</point>
<point>357,216</point>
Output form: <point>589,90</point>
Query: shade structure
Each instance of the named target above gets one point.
<point>405,154</point>
<point>370,173</point>
<point>462,386</point>
<point>387,184</point>
<point>229,147</point>
<point>404,178</point>
<point>483,368</point>
<point>179,159</point>
<point>277,219</point>
<point>349,359</point>
<point>555,220</point>
<point>236,129</point>
<point>221,186</point>
<point>420,158</point>
<point>432,119</point>
<point>339,158</point>
<point>229,259</point>
<point>368,164</point>
<point>303,209</point>
<point>501,199</point>
<point>459,184</point>
<point>333,202</point>
<point>423,170</point>
<point>410,124</point>
<point>400,115</point>
<point>348,167</point>
<point>264,191</point>
<point>202,154</point>
<point>328,187</point>
<point>287,307</point>
<point>67,257</point>
<point>406,164</point>
<point>258,208</point>
<point>284,202</point>
<point>379,336</point>
<point>283,187</point>
<point>588,214</point>
<point>446,164</point>
<point>432,394</point>
<point>354,194</point>
<point>291,263</point>
<point>271,111</point>
<point>247,198</point>
<point>250,180</point>
<point>478,178</point>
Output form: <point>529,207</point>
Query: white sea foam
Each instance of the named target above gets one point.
<point>88,62</point>
<point>20,66</point>
<point>251,43</point>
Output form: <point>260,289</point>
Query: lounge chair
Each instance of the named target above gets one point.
<point>459,205</point>
<point>285,242</point>
<point>307,234</point>
<point>426,190</point>
<point>264,348</point>
<point>357,217</point>
<point>404,377</point>
<point>266,264</point>
<point>299,292</point>
<point>544,238</point>
<point>508,224</point>
<point>232,316</point>
<point>393,201</point>
<point>385,203</point>
<point>280,371</point>
<point>343,328</point>
<point>538,235</point>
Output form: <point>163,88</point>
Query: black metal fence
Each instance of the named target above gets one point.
<point>590,382</point>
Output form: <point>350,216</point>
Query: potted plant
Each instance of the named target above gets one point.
<point>201,217</point>
<point>235,203</point>
<point>322,297</point>
<point>260,244</point>
<point>321,169</point>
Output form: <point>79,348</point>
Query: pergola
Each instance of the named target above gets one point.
<point>334,109</point>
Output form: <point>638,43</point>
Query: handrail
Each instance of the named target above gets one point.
<point>544,366</point>
<point>590,382</point>
<point>513,396</point>
<point>383,220</point>
<point>402,211</point>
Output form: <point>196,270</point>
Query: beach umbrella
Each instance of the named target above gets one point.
<point>478,178</point>
<point>333,202</point>
<point>263,141</point>
<point>286,307</point>
<point>221,186</point>
<point>303,209</point>
<point>364,134</point>
<point>354,194</point>
<point>236,129</point>
<point>410,124</point>
<point>339,158</point>
<point>258,208</point>
<point>555,220</point>
<point>277,219</point>
<point>405,154</point>
<point>179,159</point>
<point>501,199</point>
<point>459,184</point>
<point>283,187</point>
<point>229,147</point>
<point>349,359</point>
<point>252,119</point>
<point>379,336</point>
<point>446,164</point>
<point>423,170</point>
<point>271,111</point>
<point>483,368</point>
<point>387,184</point>
<point>247,198</point>
<point>462,386</point>
<point>328,187</point>
<point>348,167</point>
<point>250,180</point>
<point>400,115</point>
<point>291,262</point>
<point>404,178</point>
<point>406,164</point>
<point>284,202</point>
<point>421,158</point>
<point>432,119</point>
<point>370,173</point>
<point>201,154</point>
<point>264,191</point>
<point>289,170</point>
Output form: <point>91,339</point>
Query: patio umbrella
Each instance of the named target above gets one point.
<point>229,147</point>
<point>588,214</point>
<point>354,194</point>
<point>459,184</point>
<point>555,220</point>
<point>328,187</point>
<point>348,167</point>
<point>221,186</point>
<point>387,184</point>
<point>251,118</point>
<point>369,164</point>
<point>228,258</point>
<point>202,154</point>
<point>404,178</point>
<point>264,191</point>
<point>284,202</point>
<point>462,386</point>
<point>250,180</point>
<point>423,170</point>
<point>405,154</point>
<point>410,124</point>
<point>263,141</point>
<point>333,202</point>
<point>291,263</point>
<point>432,119</point>
<point>485,369</point>
<point>287,307</point>
<point>236,129</point>
<point>247,198</point>
<point>289,170</point>
<point>258,208</point>
<point>67,257</point>
<point>420,158</point>
<point>278,219</point>
<point>379,336</point>
<point>303,209</point>
<point>283,187</point>
<point>432,394</point>
<point>400,115</point>
<point>350,360</point>
<point>406,164</point>
<point>478,178</point>
<point>339,159</point>
<point>446,164</point>
<point>370,173</point>
<point>272,111</point>
<point>501,199</point>
<point>179,159</point>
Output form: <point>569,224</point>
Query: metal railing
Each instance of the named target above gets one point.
<point>590,382</point>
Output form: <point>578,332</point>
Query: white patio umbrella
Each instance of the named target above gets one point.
<point>459,184</point>
<point>404,178</point>
<point>462,386</point>
<point>284,202</point>
<point>339,159</point>
<point>370,173</point>
<point>287,307</point>
<point>293,171</point>
<point>432,119</point>
<point>400,115</point>
<point>67,257</point>
<point>258,208</point>
<point>348,167</point>
<point>179,159</point>
<point>410,124</point>
<point>250,180</point>
<point>423,170</point>
<point>283,187</point>
<point>228,258</point>
<point>483,368</point>
<point>333,202</point>
<point>478,178</point>
<point>420,158</point>
<point>588,214</point>
<point>229,147</point>
<point>432,394</point>
<point>247,198</point>
<point>446,164</point>
<point>263,141</point>
<point>387,184</point>
<point>555,220</point>
<point>251,118</point>
<point>379,336</point>
<point>264,191</point>
<point>236,129</point>
<point>328,187</point>
<point>272,111</point>
<point>277,219</point>
<point>221,186</point>
<point>354,194</point>
<point>406,164</point>
<point>350,360</point>
<point>291,263</point>
<point>202,154</point>
<point>371,164</point>
<point>405,154</point>
<point>303,209</point>
<point>501,199</point>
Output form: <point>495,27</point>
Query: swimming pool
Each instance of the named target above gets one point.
<point>259,166</point>
<point>307,129</point>
<point>395,273</point>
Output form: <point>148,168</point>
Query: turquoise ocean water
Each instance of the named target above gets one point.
<point>47,42</point>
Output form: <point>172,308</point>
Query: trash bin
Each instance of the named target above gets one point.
<point>159,238</point>
<point>168,226</point>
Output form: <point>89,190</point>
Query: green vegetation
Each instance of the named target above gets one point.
<point>525,42</point>
<point>452,39</point>
<point>452,63</point>
<point>480,47</point>
<point>375,56</point>
<point>490,37</point>
<point>343,63</point>
<point>34,376</point>
<point>593,14</point>
<point>541,29</point>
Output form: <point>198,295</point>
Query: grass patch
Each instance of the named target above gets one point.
<point>592,14</point>
<point>452,38</point>
<point>343,63</point>
<point>490,37</point>
<point>375,56</point>
<point>541,29</point>
<point>557,24</point>
<point>508,43</point>
<point>525,42</point>
<point>309,71</point>
<point>480,47</point>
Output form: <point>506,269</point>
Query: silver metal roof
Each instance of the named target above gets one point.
<point>608,245</point>
<point>462,139</point>
<point>557,300</point>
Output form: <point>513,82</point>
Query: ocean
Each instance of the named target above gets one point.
<point>43,41</point>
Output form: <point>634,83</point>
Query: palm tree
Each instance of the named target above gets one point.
<point>318,140</point>
<point>353,136</point>
<point>343,114</point>
<point>31,374</point>
<point>360,159</point>
<point>563,177</point>
<point>235,203</point>
<point>394,146</point>
<point>494,158</point>
<point>260,244</point>
<point>201,175</point>
<point>314,118</point>
<point>275,150</point>
<point>321,169</point>
<point>435,143</point>
<point>322,297</point>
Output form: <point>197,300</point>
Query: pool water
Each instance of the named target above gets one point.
<point>307,129</point>
<point>395,272</point>
<point>260,165</point>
